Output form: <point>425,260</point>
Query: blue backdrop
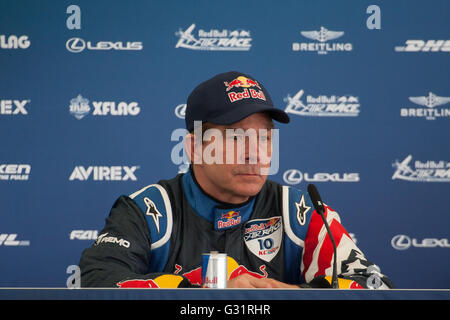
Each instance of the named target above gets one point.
<point>91,91</point>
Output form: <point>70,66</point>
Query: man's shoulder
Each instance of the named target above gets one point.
<point>156,205</point>
<point>165,184</point>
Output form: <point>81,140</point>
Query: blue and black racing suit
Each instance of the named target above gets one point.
<point>155,238</point>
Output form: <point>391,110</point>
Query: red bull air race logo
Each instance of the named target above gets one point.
<point>214,39</point>
<point>263,237</point>
<point>421,171</point>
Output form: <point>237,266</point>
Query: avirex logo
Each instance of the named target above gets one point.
<point>104,173</point>
<point>13,107</point>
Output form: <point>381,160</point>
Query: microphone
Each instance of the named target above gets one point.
<point>318,205</point>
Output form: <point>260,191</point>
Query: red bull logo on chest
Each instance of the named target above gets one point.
<point>229,219</point>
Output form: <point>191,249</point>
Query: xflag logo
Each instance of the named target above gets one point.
<point>79,108</point>
<point>14,42</point>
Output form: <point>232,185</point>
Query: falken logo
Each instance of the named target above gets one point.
<point>83,234</point>
<point>429,113</point>
<point>14,42</point>
<point>18,172</point>
<point>429,171</point>
<point>294,176</point>
<point>9,239</point>
<point>322,105</point>
<point>76,45</point>
<point>321,46</point>
<point>79,108</point>
<point>104,173</point>
<point>214,40</point>
<point>422,46</point>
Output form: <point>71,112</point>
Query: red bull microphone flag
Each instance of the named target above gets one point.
<point>214,270</point>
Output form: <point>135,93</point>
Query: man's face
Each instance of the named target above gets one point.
<point>235,158</point>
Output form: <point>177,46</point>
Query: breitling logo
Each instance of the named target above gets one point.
<point>302,209</point>
<point>153,212</point>
<point>321,44</point>
<point>430,112</point>
<point>322,35</point>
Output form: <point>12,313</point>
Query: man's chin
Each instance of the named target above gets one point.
<point>249,185</point>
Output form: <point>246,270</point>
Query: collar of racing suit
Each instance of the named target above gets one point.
<point>223,215</point>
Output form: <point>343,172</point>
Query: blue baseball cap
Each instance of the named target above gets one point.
<point>228,98</point>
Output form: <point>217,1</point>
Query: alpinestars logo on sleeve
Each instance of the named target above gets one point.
<point>302,209</point>
<point>153,212</point>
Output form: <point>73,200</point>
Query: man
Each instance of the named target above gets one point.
<point>271,233</point>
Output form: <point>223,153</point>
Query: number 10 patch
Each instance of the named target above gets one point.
<point>263,237</point>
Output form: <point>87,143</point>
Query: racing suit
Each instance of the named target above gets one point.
<point>155,238</point>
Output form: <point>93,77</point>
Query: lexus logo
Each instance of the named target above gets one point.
<point>401,242</point>
<point>292,176</point>
<point>180,110</point>
<point>75,45</point>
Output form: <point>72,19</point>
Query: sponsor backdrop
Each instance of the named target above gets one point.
<point>92,92</point>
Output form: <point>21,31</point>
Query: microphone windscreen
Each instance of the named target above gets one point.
<point>315,198</point>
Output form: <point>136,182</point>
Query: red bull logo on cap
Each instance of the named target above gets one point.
<point>243,82</point>
<point>247,93</point>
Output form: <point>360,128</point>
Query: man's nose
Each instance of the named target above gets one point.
<point>251,150</point>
